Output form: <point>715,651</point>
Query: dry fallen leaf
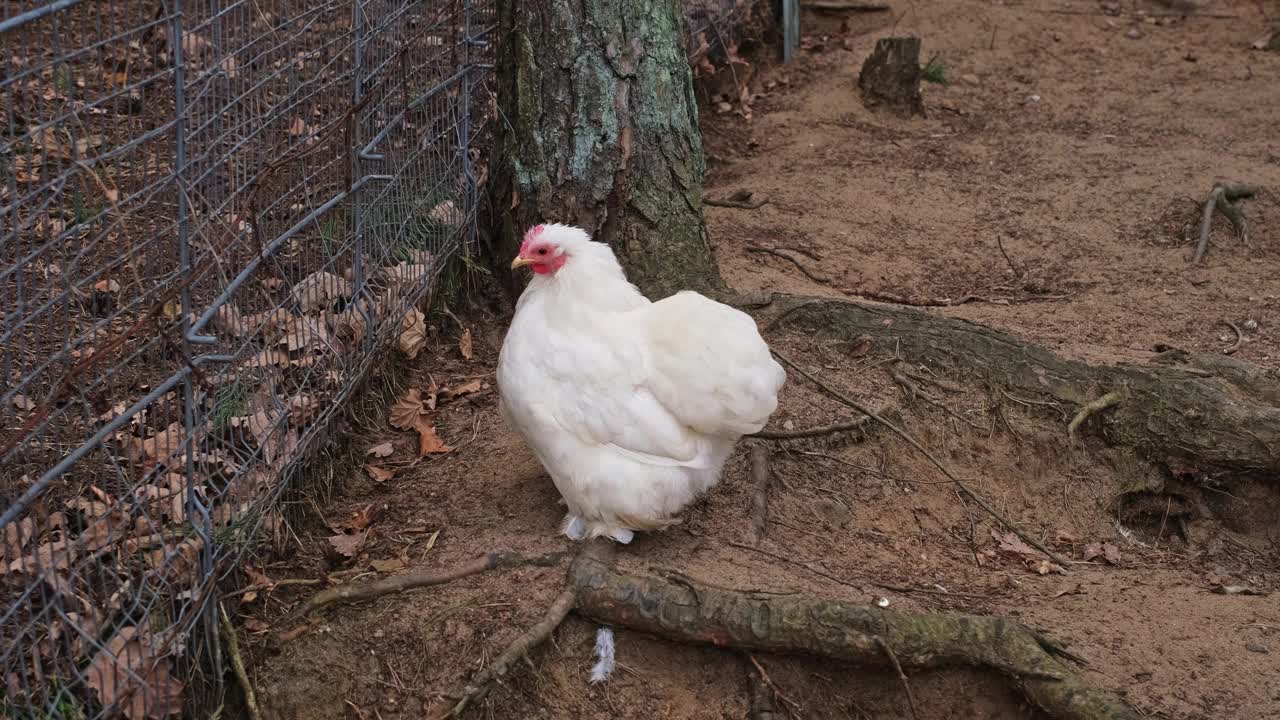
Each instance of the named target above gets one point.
<point>379,473</point>
<point>381,450</point>
<point>409,413</point>
<point>1107,551</point>
<point>386,566</point>
<point>407,272</point>
<point>349,544</point>
<point>22,402</point>
<point>405,412</point>
<point>1064,537</point>
<point>268,358</point>
<point>1044,567</point>
<point>1078,589</point>
<point>446,213</point>
<point>469,388</point>
<point>464,343</point>
<point>413,333</point>
<point>1012,543</point>
<point>319,289</point>
<point>1111,553</point>
<point>361,519</point>
<point>107,286</point>
<point>114,672</point>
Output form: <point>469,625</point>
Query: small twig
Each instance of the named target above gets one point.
<point>1220,199</point>
<point>237,664</point>
<point>1108,400</point>
<point>760,697</point>
<point>764,675</point>
<point>844,6</point>
<point>1206,224</point>
<point>912,302</point>
<point>859,425</point>
<point>1239,338</point>
<point>516,651</point>
<point>1163,521</point>
<point>760,476</point>
<point>963,487</point>
<point>897,666</point>
<point>734,202</point>
<point>786,254</point>
<point>353,593</point>
<point>1012,266</point>
<point>797,563</point>
<point>928,591</point>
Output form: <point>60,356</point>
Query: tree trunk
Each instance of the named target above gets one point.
<point>599,128</point>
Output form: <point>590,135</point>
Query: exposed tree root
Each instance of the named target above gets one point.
<point>760,697</point>
<point>1239,338</point>
<point>861,426</point>
<point>790,256</point>
<point>960,485</point>
<point>517,650</point>
<point>843,631</point>
<point>681,609</point>
<point>1206,408</point>
<point>399,583</point>
<point>1108,400</point>
<point>237,664</point>
<point>1221,198</point>
<point>740,200</point>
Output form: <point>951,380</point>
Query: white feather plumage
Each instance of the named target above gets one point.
<point>632,406</point>
<point>605,652</point>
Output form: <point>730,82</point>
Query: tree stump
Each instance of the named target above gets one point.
<point>891,76</point>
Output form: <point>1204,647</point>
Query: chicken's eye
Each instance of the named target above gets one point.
<point>542,251</point>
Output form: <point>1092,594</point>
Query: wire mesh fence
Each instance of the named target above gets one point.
<point>212,218</point>
<point>716,28</point>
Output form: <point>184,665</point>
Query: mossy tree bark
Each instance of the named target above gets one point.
<point>599,128</point>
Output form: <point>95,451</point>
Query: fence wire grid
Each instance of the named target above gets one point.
<point>214,219</point>
<point>215,215</point>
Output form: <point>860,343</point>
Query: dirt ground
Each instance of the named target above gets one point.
<point>1086,152</point>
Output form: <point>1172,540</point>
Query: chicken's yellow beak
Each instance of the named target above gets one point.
<point>520,262</point>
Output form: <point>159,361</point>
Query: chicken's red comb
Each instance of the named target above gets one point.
<point>532,235</point>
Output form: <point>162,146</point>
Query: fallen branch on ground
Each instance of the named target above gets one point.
<point>1221,198</point>
<point>962,486</point>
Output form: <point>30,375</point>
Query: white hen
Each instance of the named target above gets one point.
<point>631,406</point>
